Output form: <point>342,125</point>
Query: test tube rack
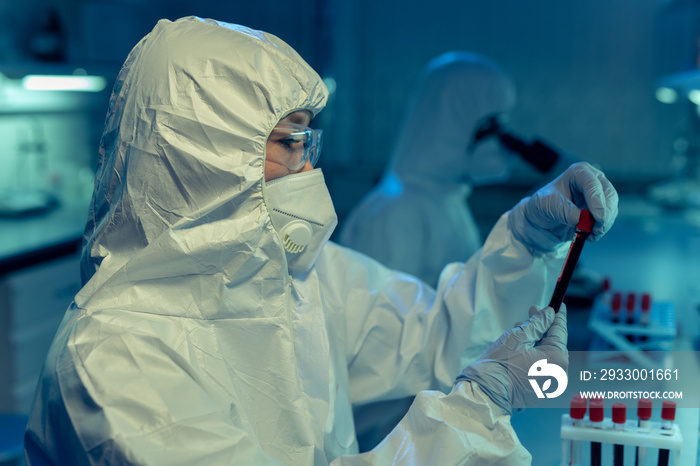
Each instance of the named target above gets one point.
<point>651,437</point>
<point>637,341</point>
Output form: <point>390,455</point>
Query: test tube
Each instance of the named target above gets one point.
<point>630,306</point>
<point>615,306</point>
<point>596,416</point>
<point>645,315</point>
<point>668,415</point>
<point>646,307</point>
<point>643,417</point>
<point>619,417</point>
<point>605,295</point>
<point>577,411</point>
<point>583,231</point>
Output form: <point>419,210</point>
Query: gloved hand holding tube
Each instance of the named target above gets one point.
<point>502,371</point>
<point>549,217</point>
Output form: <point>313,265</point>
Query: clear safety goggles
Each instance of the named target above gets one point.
<point>301,144</point>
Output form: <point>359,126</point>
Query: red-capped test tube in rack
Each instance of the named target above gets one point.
<point>615,307</point>
<point>577,412</point>
<point>643,421</point>
<point>596,415</point>
<point>619,417</point>
<point>668,415</point>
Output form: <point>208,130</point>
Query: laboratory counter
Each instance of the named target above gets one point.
<point>30,240</point>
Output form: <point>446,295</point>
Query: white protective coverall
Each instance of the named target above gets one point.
<point>191,343</point>
<point>417,218</point>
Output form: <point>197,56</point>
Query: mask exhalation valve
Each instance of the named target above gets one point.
<point>296,235</point>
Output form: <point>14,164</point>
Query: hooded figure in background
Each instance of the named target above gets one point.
<point>417,219</point>
<point>213,328</point>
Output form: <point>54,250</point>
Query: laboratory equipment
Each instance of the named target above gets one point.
<point>646,336</point>
<point>619,417</point>
<point>643,419</point>
<point>630,307</point>
<point>537,153</point>
<point>583,230</point>
<point>664,436</point>
<point>577,412</point>
<point>615,307</point>
<point>596,418</point>
<point>668,415</point>
<point>23,191</point>
<point>682,190</point>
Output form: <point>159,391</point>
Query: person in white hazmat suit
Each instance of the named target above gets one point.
<point>421,204</point>
<point>217,324</point>
<point>417,218</point>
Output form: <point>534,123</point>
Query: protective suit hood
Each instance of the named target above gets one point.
<point>197,124</point>
<point>454,92</point>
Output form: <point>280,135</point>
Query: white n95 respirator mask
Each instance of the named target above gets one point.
<point>302,213</point>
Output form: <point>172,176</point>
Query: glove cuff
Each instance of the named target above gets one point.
<point>496,390</point>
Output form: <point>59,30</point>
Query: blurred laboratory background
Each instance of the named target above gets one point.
<point>614,83</point>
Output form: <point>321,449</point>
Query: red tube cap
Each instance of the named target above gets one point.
<point>644,409</point>
<point>668,410</point>
<point>619,413</point>
<point>595,412</point>
<point>606,284</point>
<point>585,221</point>
<point>578,408</point>
<point>630,302</point>
<point>616,301</point>
<point>646,302</point>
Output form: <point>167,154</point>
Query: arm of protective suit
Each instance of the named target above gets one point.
<point>402,336</point>
<point>464,427</point>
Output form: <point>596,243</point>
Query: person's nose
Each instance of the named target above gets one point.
<point>307,166</point>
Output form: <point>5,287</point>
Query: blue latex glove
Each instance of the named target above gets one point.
<point>548,218</point>
<point>502,371</point>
